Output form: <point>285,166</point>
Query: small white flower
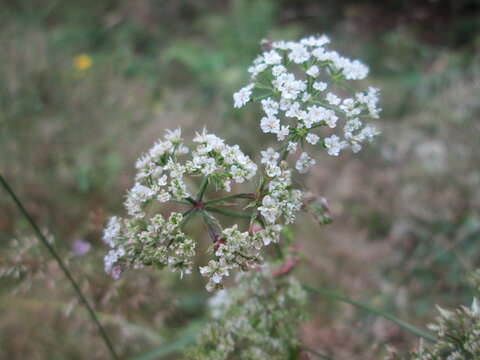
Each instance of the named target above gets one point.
<point>292,147</point>
<point>270,107</point>
<point>334,145</point>
<point>242,96</point>
<point>320,85</point>
<point>298,53</point>
<point>315,41</point>
<point>112,231</point>
<point>283,133</point>
<point>333,99</point>
<point>174,136</point>
<point>272,57</point>
<point>312,138</point>
<point>304,163</point>
<point>278,70</point>
<point>270,124</point>
<point>313,71</point>
<point>269,156</point>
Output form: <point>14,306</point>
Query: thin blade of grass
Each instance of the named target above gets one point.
<point>62,265</point>
<point>339,297</point>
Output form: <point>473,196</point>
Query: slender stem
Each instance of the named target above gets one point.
<point>187,216</point>
<point>342,298</point>
<point>231,197</point>
<point>228,212</point>
<point>191,200</point>
<point>62,265</point>
<point>262,86</point>
<point>203,187</point>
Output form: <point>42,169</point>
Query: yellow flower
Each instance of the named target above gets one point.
<point>82,62</point>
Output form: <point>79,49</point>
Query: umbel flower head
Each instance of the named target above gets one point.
<point>301,87</point>
<point>163,173</point>
<point>306,95</point>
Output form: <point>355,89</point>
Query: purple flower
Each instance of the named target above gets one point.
<point>80,247</point>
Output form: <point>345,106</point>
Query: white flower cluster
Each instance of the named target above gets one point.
<point>160,242</point>
<point>234,249</point>
<point>280,201</point>
<point>222,163</point>
<point>161,176</point>
<point>258,319</point>
<point>279,206</point>
<point>140,240</point>
<point>302,88</point>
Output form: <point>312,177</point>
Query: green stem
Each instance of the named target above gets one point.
<point>62,265</point>
<point>228,212</point>
<point>263,87</point>
<point>230,197</point>
<point>342,298</point>
<point>203,187</point>
<point>187,216</point>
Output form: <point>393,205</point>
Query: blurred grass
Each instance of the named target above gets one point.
<point>408,206</point>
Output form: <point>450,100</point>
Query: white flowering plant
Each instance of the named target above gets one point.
<point>310,99</point>
<point>301,88</point>
<point>307,95</point>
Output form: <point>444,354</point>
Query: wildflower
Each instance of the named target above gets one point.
<point>304,163</point>
<point>296,111</point>
<point>269,156</point>
<point>292,147</point>
<point>142,240</point>
<point>312,138</point>
<point>320,85</point>
<point>80,247</point>
<point>270,125</point>
<point>82,62</point>
<point>270,107</point>
<point>297,100</point>
<point>313,71</point>
<point>242,96</point>
<point>334,145</point>
<point>272,57</point>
